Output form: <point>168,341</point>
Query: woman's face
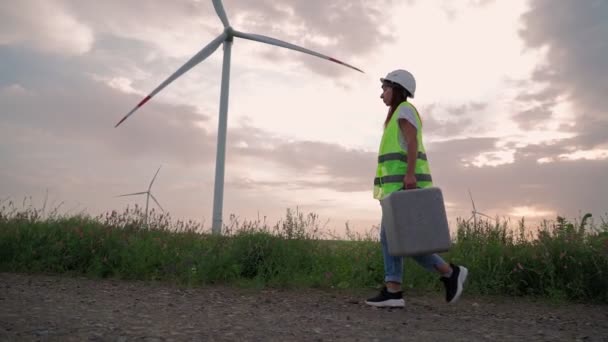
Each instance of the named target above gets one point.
<point>387,94</point>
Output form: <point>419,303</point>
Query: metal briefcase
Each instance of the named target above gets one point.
<point>415,222</point>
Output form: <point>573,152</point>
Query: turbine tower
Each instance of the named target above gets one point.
<point>225,38</point>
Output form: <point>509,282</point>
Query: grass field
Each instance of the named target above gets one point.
<point>560,260</point>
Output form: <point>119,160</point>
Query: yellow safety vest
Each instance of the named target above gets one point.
<point>392,159</point>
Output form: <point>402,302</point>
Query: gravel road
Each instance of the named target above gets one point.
<point>61,308</point>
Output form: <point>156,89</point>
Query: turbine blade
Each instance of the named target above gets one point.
<point>133,194</point>
<point>490,217</point>
<point>155,201</point>
<point>219,9</point>
<point>473,203</point>
<point>273,41</point>
<point>154,178</point>
<point>199,57</point>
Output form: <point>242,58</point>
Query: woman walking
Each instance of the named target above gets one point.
<point>402,165</point>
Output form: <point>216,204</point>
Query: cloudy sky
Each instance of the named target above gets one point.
<point>512,95</point>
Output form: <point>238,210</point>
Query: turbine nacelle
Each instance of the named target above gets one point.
<point>229,32</point>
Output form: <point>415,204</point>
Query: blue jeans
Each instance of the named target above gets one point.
<point>393,265</point>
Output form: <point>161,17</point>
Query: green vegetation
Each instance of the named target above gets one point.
<point>561,259</point>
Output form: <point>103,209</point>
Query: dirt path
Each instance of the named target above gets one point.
<point>53,308</point>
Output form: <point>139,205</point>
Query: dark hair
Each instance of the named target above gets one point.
<point>400,95</point>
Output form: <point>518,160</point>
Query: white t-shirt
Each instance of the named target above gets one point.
<point>406,113</point>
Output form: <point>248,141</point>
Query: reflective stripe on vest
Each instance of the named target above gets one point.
<point>392,159</point>
<point>420,177</point>
<point>399,156</point>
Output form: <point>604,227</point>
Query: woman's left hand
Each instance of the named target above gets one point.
<point>409,182</point>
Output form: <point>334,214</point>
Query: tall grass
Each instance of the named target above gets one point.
<point>567,260</point>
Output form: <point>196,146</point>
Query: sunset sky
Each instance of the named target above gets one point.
<point>512,94</point>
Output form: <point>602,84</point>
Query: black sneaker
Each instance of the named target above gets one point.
<point>455,283</point>
<point>387,299</point>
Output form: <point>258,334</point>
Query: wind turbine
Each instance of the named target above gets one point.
<point>148,194</point>
<point>475,212</point>
<point>225,38</point>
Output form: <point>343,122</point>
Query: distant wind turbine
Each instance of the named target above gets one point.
<point>148,194</point>
<point>475,212</point>
<point>225,38</point>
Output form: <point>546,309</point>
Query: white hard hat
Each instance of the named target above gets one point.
<point>403,78</point>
